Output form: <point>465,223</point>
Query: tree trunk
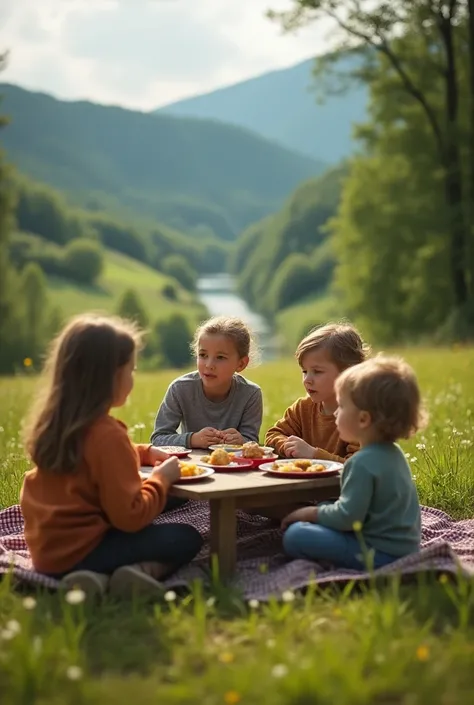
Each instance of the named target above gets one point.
<point>458,228</point>
<point>470,5</point>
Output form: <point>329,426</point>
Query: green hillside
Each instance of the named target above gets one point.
<point>121,273</point>
<point>191,174</point>
<point>283,105</point>
<point>287,257</point>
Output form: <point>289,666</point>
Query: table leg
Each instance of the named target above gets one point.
<point>223,535</point>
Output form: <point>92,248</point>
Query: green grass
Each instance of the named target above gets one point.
<point>385,645</point>
<point>121,273</point>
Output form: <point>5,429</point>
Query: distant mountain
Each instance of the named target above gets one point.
<point>188,173</point>
<point>282,105</point>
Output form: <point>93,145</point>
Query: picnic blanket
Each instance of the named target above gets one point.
<point>263,571</point>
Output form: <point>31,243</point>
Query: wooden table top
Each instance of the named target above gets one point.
<point>241,484</point>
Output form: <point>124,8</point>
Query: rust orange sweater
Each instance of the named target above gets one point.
<point>305,419</point>
<point>66,516</point>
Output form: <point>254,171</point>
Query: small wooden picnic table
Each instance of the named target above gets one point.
<point>229,491</point>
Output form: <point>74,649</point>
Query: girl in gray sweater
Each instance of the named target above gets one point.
<point>215,404</point>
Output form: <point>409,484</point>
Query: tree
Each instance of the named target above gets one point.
<point>35,301</point>
<point>173,339</point>
<point>176,266</point>
<point>130,306</point>
<point>381,26</point>
<point>8,303</point>
<point>294,280</point>
<point>84,260</point>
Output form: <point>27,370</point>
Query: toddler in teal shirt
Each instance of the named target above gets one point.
<point>378,512</point>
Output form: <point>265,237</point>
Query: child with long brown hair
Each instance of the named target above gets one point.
<point>88,514</point>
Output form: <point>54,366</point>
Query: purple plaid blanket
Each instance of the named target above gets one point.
<point>447,546</point>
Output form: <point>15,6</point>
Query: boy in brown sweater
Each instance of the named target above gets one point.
<point>308,427</point>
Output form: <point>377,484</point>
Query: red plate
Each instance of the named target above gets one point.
<point>332,468</point>
<point>257,462</point>
<point>175,451</point>
<point>237,465</point>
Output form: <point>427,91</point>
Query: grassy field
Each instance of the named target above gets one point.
<point>123,273</point>
<point>387,644</point>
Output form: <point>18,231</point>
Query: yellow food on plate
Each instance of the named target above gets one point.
<point>299,466</point>
<point>190,469</point>
<point>304,464</point>
<point>252,450</point>
<point>220,457</point>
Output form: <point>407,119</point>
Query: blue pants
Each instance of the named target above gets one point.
<point>172,544</point>
<point>342,548</point>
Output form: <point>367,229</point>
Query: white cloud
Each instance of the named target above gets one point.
<point>145,53</point>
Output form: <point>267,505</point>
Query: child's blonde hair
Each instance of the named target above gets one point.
<point>79,388</point>
<point>342,342</point>
<point>387,388</point>
<point>233,328</point>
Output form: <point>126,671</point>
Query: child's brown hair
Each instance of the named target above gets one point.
<point>342,342</point>
<point>80,380</point>
<point>387,388</point>
<point>233,328</point>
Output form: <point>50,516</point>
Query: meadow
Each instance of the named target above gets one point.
<point>121,273</point>
<point>386,644</point>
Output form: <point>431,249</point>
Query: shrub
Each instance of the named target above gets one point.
<point>173,339</point>
<point>178,267</point>
<point>130,306</point>
<point>84,261</point>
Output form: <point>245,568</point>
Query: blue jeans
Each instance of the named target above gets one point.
<point>172,544</point>
<point>342,548</point>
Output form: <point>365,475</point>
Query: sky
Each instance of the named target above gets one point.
<point>145,53</point>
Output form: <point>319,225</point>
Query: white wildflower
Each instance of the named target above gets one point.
<point>74,673</point>
<point>279,670</point>
<point>29,603</point>
<point>421,446</point>
<point>6,634</point>
<point>288,596</point>
<point>170,596</point>
<point>13,626</point>
<point>413,460</point>
<point>75,596</point>
<point>253,604</point>
<point>211,601</point>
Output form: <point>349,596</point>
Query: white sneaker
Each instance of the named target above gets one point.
<point>93,584</point>
<point>131,580</point>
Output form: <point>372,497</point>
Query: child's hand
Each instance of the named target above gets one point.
<point>157,455</point>
<point>309,514</point>
<point>206,437</point>
<point>169,469</point>
<point>297,448</point>
<point>232,436</point>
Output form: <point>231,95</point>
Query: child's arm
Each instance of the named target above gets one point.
<point>322,454</point>
<point>350,509</point>
<point>167,422</point>
<point>357,489</point>
<point>129,503</point>
<point>289,425</point>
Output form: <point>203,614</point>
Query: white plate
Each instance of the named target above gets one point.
<point>330,467</point>
<point>229,448</point>
<point>145,471</point>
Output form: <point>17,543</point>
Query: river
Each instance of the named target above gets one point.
<point>218,293</point>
